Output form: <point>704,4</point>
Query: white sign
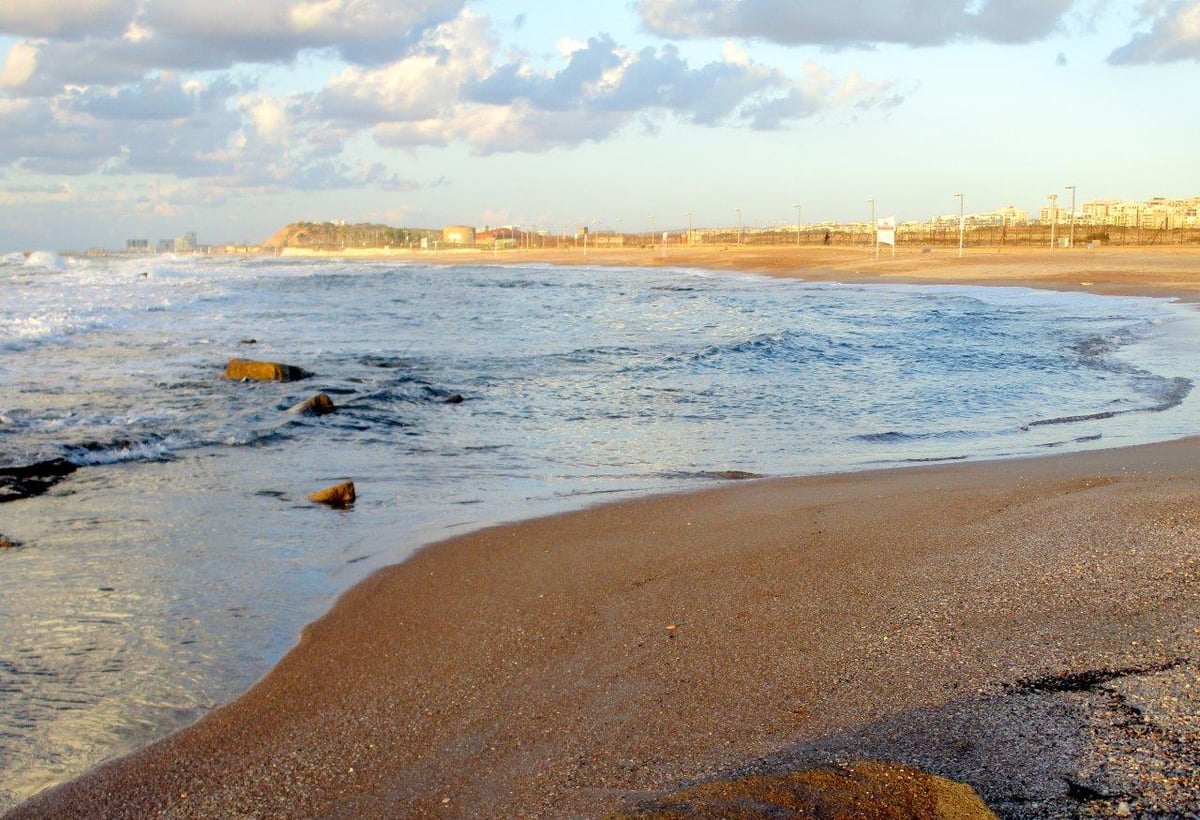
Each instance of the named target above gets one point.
<point>886,229</point>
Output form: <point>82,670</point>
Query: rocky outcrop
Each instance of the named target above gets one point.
<point>241,369</point>
<point>33,479</point>
<point>339,495</point>
<point>865,789</point>
<point>318,405</point>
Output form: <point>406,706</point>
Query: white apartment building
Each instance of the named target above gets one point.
<point>1155,214</point>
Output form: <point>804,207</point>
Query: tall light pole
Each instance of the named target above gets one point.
<point>960,225</point>
<point>739,213</point>
<point>689,237</point>
<point>1053,216</point>
<point>874,233</point>
<point>797,207</point>
<point>1072,187</point>
<point>651,233</point>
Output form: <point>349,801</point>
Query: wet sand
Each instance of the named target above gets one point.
<point>1030,627</point>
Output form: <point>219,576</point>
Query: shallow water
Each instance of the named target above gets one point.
<point>182,559</point>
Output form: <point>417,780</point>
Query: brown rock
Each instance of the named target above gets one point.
<point>864,789</point>
<point>7,543</point>
<point>339,495</point>
<point>317,405</point>
<point>239,369</point>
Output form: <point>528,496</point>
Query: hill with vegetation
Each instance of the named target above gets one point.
<point>339,235</point>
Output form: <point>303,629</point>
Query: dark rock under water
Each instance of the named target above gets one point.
<point>33,479</point>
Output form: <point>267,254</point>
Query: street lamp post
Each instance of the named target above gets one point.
<point>797,207</point>
<point>874,232</point>
<point>739,213</point>
<point>1071,188</point>
<point>689,236</point>
<point>1053,217</point>
<point>960,225</point>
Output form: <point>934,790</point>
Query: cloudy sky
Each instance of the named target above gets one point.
<point>147,118</point>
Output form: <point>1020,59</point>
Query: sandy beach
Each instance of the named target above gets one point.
<point>1028,627</point>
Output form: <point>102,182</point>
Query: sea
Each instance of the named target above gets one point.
<point>182,558</point>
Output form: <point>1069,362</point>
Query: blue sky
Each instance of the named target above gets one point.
<point>148,118</point>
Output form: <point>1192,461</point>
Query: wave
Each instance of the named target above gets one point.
<point>709,475</point>
<point>900,437</point>
<point>785,345</point>
<point>48,260</point>
<point>120,451</point>
<point>1171,393</point>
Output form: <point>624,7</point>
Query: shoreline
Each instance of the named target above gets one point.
<point>569,665</point>
<point>1172,272</point>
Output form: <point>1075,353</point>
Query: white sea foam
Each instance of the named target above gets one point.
<point>45,259</point>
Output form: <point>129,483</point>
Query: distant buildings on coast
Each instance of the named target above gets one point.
<point>185,243</point>
<point>1101,220</point>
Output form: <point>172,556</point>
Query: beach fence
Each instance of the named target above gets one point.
<point>946,235</point>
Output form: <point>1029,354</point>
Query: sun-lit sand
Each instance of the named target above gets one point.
<point>1029,627</point>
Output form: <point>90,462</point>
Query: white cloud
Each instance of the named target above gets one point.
<point>65,18</point>
<point>19,65</point>
<point>451,89</point>
<point>268,116</point>
<point>422,85</point>
<point>115,41</point>
<point>567,46</point>
<point>363,31</point>
<point>1174,35</point>
<point>734,54</point>
<point>129,99</point>
<point>860,24</point>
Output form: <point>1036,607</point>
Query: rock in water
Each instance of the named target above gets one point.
<point>882,791</point>
<point>317,405</point>
<point>239,369</point>
<point>339,495</point>
<point>32,479</point>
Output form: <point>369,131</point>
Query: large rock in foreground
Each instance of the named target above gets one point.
<point>865,789</point>
<point>239,369</point>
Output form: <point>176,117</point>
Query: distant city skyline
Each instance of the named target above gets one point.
<point>152,118</point>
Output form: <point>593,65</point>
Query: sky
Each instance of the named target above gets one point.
<point>126,119</point>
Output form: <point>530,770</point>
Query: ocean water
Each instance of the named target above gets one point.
<point>182,559</point>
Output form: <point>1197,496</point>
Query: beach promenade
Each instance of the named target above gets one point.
<point>1029,627</point>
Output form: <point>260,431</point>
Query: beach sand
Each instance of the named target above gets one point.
<point>1030,627</point>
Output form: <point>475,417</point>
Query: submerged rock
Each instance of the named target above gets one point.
<point>317,405</point>
<point>240,369</point>
<point>881,791</point>
<point>339,495</point>
<point>33,479</point>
